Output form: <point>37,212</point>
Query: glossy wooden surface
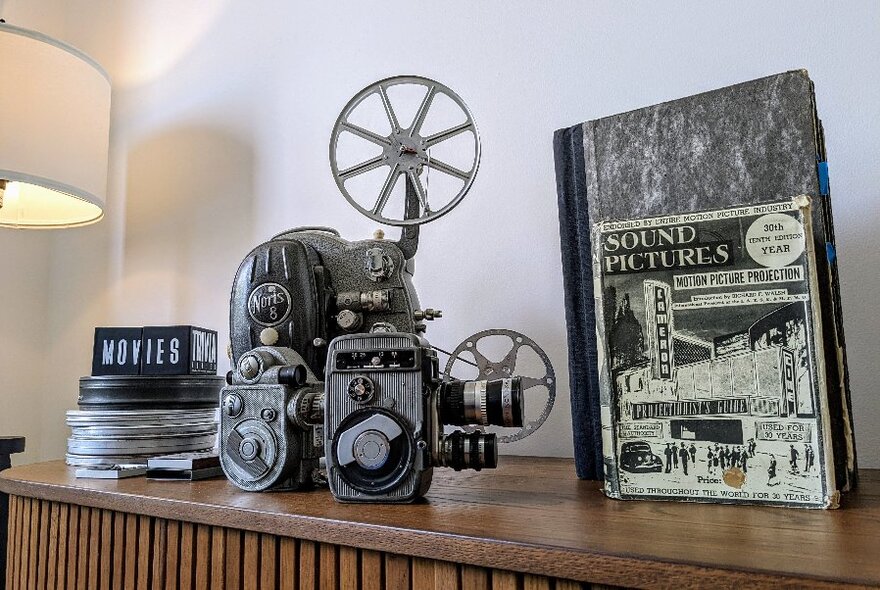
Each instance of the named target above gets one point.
<point>530,516</point>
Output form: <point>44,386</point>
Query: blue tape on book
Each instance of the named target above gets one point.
<point>830,252</point>
<point>823,178</point>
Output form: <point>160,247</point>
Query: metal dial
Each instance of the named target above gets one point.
<point>361,389</point>
<point>405,151</point>
<point>506,367</point>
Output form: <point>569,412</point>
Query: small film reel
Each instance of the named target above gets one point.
<point>537,372</point>
<point>397,141</point>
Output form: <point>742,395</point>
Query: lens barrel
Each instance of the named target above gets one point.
<point>461,450</point>
<point>293,375</point>
<point>306,408</point>
<point>498,402</point>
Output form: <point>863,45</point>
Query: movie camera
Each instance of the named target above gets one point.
<point>327,335</point>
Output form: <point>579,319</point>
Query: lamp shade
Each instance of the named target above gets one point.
<point>54,132</point>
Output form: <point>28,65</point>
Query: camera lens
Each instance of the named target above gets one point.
<point>498,402</point>
<point>461,450</point>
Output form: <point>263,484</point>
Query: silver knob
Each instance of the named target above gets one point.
<point>249,366</point>
<point>232,405</point>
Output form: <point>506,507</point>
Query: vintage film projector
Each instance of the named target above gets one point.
<point>307,287</point>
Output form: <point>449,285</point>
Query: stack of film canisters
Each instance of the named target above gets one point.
<point>123,420</point>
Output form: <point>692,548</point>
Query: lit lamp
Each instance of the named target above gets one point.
<point>54,132</point>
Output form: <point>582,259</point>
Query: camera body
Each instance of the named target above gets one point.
<point>378,418</point>
<point>384,411</point>
<point>271,434</point>
<point>307,286</point>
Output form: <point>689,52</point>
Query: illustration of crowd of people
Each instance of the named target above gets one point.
<point>676,456</point>
<point>719,458</point>
<point>794,468</point>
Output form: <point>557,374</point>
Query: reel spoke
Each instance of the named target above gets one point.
<point>389,111</point>
<point>420,191</point>
<point>482,362</point>
<point>365,134</point>
<point>508,363</point>
<point>436,138</point>
<point>445,168</point>
<point>362,168</point>
<point>385,193</point>
<point>423,110</point>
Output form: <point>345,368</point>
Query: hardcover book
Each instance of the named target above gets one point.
<point>710,341</point>
<point>749,145</point>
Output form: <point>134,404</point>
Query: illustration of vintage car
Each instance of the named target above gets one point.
<point>636,457</point>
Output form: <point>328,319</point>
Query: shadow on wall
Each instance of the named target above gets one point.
<point>188,225</point>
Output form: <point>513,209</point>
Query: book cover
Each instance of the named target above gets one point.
<point>711,340</point>
<point>752,143</point>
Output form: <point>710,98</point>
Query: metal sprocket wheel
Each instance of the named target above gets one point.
<point>405,151</point>
<point>504,368</point>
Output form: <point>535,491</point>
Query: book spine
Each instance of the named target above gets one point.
<point>607,416</point>
<point>825,389</point>
<point>845,435</point>
<point>832,316</point>
<point>574,234</point>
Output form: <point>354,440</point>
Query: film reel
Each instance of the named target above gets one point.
<point>406,151</point>
<point>373,450</point>
<point>506,367</point>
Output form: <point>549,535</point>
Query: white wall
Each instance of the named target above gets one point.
<point>221,119</point>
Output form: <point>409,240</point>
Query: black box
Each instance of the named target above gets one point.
<point>178,350</point>
<point>117,351</point>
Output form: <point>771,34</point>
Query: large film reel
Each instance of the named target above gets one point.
<point>541,377</point>
<point>405,151</point>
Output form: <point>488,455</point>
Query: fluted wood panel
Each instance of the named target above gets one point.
<point>54,545</point>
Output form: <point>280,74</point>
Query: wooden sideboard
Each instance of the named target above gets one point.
<point>528,525</point>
